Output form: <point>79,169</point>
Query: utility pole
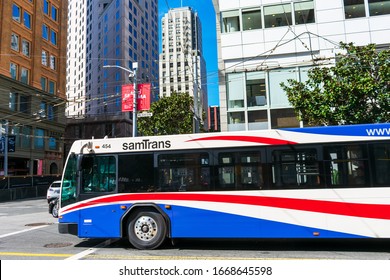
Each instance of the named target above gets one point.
<point>196,108</point>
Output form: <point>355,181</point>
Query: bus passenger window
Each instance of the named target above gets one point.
<point>296,169</point>
<point>135,173</point>
<point>346,165</point>
<point>251,171</point>
<point>380,154</point>
<point>98,174</point>
<point>226,172</point>
<point>183,172</point>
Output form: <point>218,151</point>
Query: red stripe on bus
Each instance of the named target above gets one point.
<point>253,139</point>
<point>375,211</point>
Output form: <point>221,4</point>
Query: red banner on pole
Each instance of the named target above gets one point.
<point>143,100</point>
<point>127,97</point>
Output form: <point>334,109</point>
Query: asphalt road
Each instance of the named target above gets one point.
<point>29,232</point>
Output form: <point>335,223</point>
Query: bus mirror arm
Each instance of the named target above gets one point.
<point>89,147</point>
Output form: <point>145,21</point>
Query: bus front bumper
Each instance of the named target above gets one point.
<point>68,228</point>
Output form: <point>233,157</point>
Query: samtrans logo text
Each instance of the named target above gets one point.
<point>146,145</point>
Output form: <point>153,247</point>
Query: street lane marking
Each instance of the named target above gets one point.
<point>158,258</point>
<point>21,254</point>
<point>92,250</point>
<point>127,257</point>
<point>22,231</point>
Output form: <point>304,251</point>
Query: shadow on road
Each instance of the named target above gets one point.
<point>329,245</point>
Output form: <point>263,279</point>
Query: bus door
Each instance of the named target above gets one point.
<point>98,177</point>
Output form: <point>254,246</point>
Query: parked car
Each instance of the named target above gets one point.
<point>54,207</point>
<point>53,191</point>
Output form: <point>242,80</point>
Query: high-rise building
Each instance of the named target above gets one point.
<point>213,119</point>
<point>79,13</point>
<point>32,91</point>
<point>182,65</point>
<point>105,38</point>
<point>264,43</point>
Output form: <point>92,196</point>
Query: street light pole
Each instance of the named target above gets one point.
<point>132,74</point>
<point>135,96</point>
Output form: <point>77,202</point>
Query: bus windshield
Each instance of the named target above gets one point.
<point>68,187</point>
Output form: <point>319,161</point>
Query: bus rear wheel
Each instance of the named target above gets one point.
<point>146,230</point>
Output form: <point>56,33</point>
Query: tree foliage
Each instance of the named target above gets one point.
<point>171,115</point>
<point>354,90</point>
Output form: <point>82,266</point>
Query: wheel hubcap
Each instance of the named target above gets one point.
<point>145,228</point>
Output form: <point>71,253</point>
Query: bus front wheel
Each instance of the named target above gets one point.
<point>146,230</point>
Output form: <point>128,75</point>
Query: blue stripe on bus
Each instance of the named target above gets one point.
<point>187,222</point>
<point>198,223</point>
<point>373,130</point>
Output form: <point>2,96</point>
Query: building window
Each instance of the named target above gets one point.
<point>16,13</point>
<point>45,32</point>
<point>354,9</point>
<point>230,21</point>
<point>39,142</point>
<point>26,47</point>
<point>42,110</point>
<point>278,15</point>
<point>13,101</point>
<point>257,120</point>
<point>24,75</point>
<point>54,13</point>
<point>27,20</point>
<point>236,121</point>
<point>53,37</point>
<point>15,42</point>
<point>52,87</point>
<point>235,90</point>
<point>44,57</point>
<point>255,89</point>
<point>283,118</point>
<point>44,83</point>
<point>278,98</point>
<point>53,62</point>
<point>25,105</point>
<point>13,69</point>
<point>251,20</point>
<point>46,7</point>
<point>379,7</point>
<point>26,137</point>
<point>52,143</point>
<point>304,12</point>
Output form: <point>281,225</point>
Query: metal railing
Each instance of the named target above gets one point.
<point>27,186</point>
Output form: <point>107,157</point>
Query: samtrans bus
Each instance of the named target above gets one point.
<point>317,182</point>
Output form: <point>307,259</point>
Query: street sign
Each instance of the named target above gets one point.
<point>144,114</point>
<point>11,144</point>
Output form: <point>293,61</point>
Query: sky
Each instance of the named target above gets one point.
<point>206,14</point>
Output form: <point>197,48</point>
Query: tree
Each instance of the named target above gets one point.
<point>171,115</point>
<point>355,90</point>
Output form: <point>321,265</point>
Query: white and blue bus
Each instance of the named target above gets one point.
<point>317,182</point>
